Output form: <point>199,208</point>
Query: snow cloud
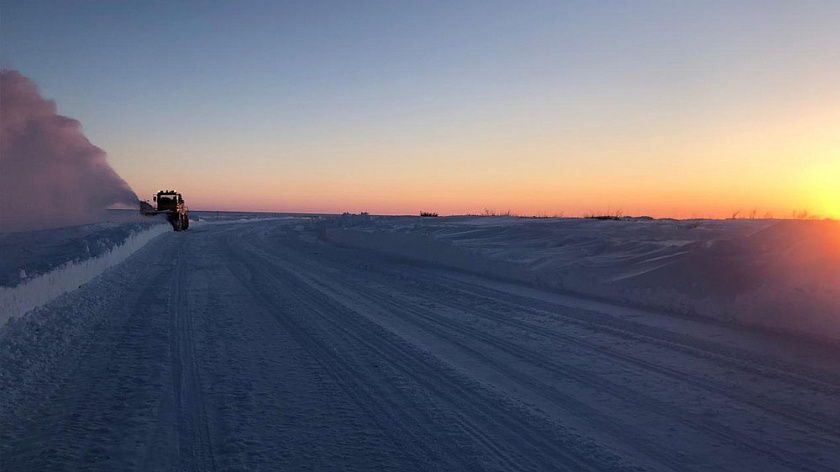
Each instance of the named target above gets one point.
<point>50,174</point>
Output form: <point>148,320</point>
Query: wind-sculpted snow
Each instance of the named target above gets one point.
<point>775,274</point>
<point>39,266</point>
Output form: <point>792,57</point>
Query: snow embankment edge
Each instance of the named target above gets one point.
<point>17,301</point>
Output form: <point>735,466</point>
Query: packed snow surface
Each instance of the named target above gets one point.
<point>416,345</point>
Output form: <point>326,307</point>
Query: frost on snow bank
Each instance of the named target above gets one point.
<point>32,293</point>
<point>782,275</point>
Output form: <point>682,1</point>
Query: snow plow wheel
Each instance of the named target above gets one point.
<point>178,221</point>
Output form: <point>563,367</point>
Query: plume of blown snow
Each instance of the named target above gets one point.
<point>50,174</point>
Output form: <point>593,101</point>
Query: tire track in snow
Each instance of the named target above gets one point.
<point>411,434</point>
<point>101,408</point>
<point>194,441</point>
<point>454,333</point>
<point>601,323</point>
<point>624,431</point>
<point>710,428</point>
<point>746,361</point>
<point>525,438</point>
<point>112,406</point>
<point>798,375</point>
<point>818,422</point>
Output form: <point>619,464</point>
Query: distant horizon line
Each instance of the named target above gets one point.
<point>591,216</point>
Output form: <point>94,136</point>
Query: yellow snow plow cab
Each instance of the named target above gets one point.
<point>170,203</point>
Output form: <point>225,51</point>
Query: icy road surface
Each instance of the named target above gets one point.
<point>259,347</point>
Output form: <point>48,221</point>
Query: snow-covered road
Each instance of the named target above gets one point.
<point>260,347</point>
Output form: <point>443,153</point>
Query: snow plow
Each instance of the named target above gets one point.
<point>170,203</point>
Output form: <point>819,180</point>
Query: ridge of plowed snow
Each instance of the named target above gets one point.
<point>37,291</point>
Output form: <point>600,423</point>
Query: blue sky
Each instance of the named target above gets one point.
<point>458,105</point>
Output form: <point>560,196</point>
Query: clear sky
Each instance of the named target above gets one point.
<point>662,108</point>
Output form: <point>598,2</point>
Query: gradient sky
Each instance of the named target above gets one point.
<point>662,108</point>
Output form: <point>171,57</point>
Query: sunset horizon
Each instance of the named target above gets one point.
<point>681,110</point>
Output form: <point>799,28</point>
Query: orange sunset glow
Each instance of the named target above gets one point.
<point>666,110</point>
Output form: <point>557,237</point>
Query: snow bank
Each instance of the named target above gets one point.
<point>246,220</point>
<point>775,274</point>
<point>232,217</point>
<point>34,253</point>
<point>32,293</point>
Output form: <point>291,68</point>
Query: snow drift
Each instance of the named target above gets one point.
<point>775,274</point>
<point>33,292</point>
<point>50,174</point>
